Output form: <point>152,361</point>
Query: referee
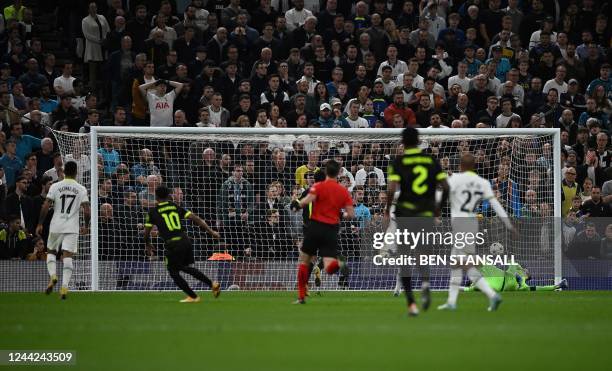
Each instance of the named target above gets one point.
<point>321,235</point>
<point>417,175</point>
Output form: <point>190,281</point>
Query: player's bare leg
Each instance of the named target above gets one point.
<point>52,269</point>
<point>67,269</point>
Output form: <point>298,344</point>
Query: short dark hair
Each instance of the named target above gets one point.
<point>410,137</point>
<point>319,176</point>
<point>162,192</point>
<point>70,169</point>
<point>332,168</point>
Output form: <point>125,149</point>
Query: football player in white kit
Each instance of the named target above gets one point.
<point>67,197</point>
<point>467,191</point>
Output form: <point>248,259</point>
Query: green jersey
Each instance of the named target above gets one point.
<point>511,279</point>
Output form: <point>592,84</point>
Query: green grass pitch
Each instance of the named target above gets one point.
<point>336,331</point>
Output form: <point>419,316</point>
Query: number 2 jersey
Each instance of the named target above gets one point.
<point>467,191</point>
<point>168,216</point>
<point>67,197</point>
<point>418,174</point>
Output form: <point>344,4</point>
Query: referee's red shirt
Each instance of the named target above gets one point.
<point>331,198</point>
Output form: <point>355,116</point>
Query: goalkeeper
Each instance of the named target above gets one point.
<point>512,279</point>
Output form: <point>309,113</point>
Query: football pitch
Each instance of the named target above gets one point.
<point>335,331</point>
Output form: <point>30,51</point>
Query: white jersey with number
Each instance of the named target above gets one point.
<point>67,197</point>
<point>467,191</point>
<point>161,108</point>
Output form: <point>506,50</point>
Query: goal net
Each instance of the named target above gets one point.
<point>241,181</point>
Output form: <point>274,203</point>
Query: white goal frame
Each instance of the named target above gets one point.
<point>95,130</point>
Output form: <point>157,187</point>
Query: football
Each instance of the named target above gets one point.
<point>496,248</point>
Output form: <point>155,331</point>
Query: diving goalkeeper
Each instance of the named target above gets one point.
<point>512,279</point>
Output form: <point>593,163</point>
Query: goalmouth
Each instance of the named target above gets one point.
<point>263,250</point>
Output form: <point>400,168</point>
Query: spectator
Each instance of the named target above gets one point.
<point>161,103</point>
<point>14,243</point>
<point>586,244</point>
<point>11,163</point>
<point>19,203</point>
<point>94,27</point>
<point>399,107</point>
<point>596,207</point>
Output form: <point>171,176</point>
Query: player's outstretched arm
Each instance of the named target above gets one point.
<point>202,224</point>
<point>44,210</point>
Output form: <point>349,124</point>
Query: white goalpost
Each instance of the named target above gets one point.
<point>241,181</point>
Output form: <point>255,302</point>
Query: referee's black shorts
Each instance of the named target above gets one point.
<point>322,238</point>
<point>179,253</point>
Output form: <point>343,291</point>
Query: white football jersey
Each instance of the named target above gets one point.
<point>467,191</point>
<point>67,197</point>
<point>161,108</point>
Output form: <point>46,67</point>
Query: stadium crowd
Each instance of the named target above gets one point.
<point>305,64</point>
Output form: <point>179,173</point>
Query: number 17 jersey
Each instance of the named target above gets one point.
<point>467,191</point>
<point>67,197</point>
<point>168,216</point>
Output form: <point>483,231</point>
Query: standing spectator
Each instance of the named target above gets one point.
<point>32,80</point>
<point>235,207</point>
<point>118,67</point>
<point>56,173</point>
<point>11,163</point>
<point>569,190</point>
<point>138,28</point>
<point>110,156</point>
<point>63,84</point>
<point>95,27</point>
<point>297,15</point>
<point>44,159</point>
<point>368,167</point>
<point>20,204</point>
<point>161,103</point>
<point>168,32</point>
<point>25,143</point>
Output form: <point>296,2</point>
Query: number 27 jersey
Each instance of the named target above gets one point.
<point>467,191</point>
<point>67,196</point>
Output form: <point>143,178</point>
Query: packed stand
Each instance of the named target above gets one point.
<point>301,64</point>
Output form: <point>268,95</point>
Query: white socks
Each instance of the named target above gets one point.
<point>476,277</point>
<point>66,271</point>
<point>51,264</point>
<point>454,285</point>
<point>398,282</point>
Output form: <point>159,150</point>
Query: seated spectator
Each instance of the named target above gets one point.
<point>586,244</point>
<point>605,250</point>
<point>14,243</point>
<point>39,253</point>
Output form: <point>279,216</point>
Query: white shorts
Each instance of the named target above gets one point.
<point>67,241</point>
<point>463,226</point>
